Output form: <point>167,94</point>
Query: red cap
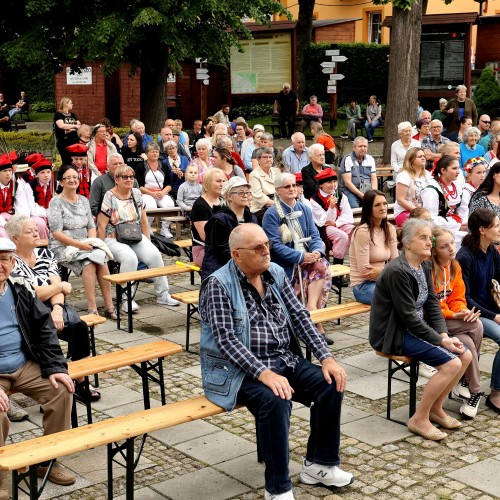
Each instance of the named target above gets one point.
<point>326,175</point>
<point>77,150</point>
<point>33,158</point>
<point>298,178</point>
<point>42,164</point>
<point>5,162</point>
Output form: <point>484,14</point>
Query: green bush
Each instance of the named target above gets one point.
<point>487,93</point>
<point>43,107</point>
<point>366,72</point>
<point>29,142</point>
<point>253,109</point>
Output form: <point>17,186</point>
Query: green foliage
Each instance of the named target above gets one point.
<point>487,93</point>
<point>29,142</point>
<point>366,71</point>
<point>43,107</point>
<point>253,109</point>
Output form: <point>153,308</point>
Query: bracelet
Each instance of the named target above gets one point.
<point>61,305</point>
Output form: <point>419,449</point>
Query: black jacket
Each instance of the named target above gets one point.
<point>39,336</point>
<point>393,309</point>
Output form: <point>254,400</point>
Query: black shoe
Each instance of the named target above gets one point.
<point>328,340</point>
<point>490,405</point>
<point>91,394</point>
<point>340,281</point>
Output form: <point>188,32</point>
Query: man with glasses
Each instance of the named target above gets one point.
<point>39,371</point>
<point>251,324</point>
<point>493,129</point>
<point>432,142</point>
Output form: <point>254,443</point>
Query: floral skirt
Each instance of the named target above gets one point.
<point>312,272</point>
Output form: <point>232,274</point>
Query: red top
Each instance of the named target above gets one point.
<point>101,157</point>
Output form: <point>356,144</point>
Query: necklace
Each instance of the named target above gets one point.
<point>449,193</point>
<point>68,200</point>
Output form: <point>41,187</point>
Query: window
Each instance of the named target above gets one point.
<point>374,27</point>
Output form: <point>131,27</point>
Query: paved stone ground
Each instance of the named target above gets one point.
<point>216,458</point>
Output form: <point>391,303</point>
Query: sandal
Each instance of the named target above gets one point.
<point>110,312</point>
<point>93,311</point>
<point>91,394</point>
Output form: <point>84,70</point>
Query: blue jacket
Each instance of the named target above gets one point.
<point>283,253</point>
<point>221,380</point>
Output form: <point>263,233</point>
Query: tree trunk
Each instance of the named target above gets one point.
<point>154,91</point>
<point>304,34</point>
<point>404,62</point>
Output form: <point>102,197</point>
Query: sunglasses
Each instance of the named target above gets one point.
<point>127,177</point>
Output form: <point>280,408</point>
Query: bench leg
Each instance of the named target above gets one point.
<point>129,312</point>
<point>411,370</point>
<point>94,352</point>
<point>84,400</point>
<point>413,387</point>
<point>154,372</point>
<point>119,292</point>
<point>30,479</point>
<point>191,310</point>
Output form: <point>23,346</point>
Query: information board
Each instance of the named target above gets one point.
<point>82,78</point>
<point>442,58</point>
<point>264,65</point>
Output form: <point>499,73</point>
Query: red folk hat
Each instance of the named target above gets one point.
<point>326,175</point>
<point>33,158</point>
<point>5,162</point>
<point>77,150</point>
<point>42,164</point>
<point>298,178</point>
<point>13,157</point>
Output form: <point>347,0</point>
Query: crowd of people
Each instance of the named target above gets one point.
<point>249,204</point>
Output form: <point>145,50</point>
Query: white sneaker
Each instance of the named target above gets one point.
<point>327,475</point>
<point>426,370</point>
<point>165,230</point>
<point>469,408</point>
<point>124,307</point>
<point>461,390</point>
<point>166,300</point>
<point>282,496</point>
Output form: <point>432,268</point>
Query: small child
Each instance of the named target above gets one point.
<point>189,191</point>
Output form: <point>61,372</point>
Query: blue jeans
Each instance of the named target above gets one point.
<point>370,129</point>
<point>364,292</point>
<point>354,201</point>
<point>272,415</point>
<point>492,331</point>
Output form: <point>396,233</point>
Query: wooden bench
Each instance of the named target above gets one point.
<point>191,300</point>
<point>179,221</point>
<point>409,366</point>
<point>118,433</point>
<point>18,125</point>
<point>145,359</point>
<point>131,277</point>
<point>159,213</point>
<point>186,246</point>
<point>93,320</point>
<point>338,311</point>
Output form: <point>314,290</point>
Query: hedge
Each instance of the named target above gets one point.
<point>366,72</point>
<point>487,93</point>
<point>29,141</point>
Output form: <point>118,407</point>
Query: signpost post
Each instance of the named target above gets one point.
<point>328,67</point>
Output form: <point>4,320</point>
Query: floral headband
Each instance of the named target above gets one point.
<point>474,162</point>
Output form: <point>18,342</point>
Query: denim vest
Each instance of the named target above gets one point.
<point>222,380</point>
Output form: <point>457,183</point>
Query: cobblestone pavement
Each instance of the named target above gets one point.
<point>216,458</point>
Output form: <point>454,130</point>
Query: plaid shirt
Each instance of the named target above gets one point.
<point>269,335</point>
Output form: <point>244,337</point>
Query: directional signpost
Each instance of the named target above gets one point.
<point>328,67</point>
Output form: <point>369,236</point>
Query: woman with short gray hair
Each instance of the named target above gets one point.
<point>469,147</point>
<point>400,147</point>
<point>203,161</point>
<point>406,320</point>
<point>262,182</point>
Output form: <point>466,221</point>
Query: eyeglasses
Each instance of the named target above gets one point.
<point>437,126</point>
<point>267,157</point>
<point>70,178</point>
<point>242,193</point>
<point>259,248</point>
<point>127,177</point>
<point>289,186</point>
<point>4,259</point>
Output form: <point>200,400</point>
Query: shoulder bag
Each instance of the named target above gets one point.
<point>129,232</point>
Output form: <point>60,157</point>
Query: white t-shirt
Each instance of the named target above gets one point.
<point>415,187</point>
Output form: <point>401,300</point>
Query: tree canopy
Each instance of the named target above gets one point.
<point>153,35</point>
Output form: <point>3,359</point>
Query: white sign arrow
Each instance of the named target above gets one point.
<point>337,77</point>
<point>339,58</point>
<point>332,77</point>
<point>202,77</point>
<point>328,70</point>
<point>335,52</point>
<point>328,64</point>
<point>205,82</point>
<point>331,90</point>
<point>201,71</point>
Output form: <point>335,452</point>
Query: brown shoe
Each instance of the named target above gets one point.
<point>58,474</point>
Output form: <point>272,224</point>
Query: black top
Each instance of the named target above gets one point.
<point>287,102</point>
<point>68,118</point>
<point>201,211</point>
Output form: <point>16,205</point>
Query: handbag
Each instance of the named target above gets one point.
<point>129,232</point>
<point>495,292</point>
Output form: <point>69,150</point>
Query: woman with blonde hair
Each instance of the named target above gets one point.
<point>409,184</point>
<point>462,322</point>
<point>66,125</point>
<point>321,137</point>
<point>203,209</point>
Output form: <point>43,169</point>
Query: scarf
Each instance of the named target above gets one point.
<point>43,194</point>
<point>7,197</point>
<point>84,187</point>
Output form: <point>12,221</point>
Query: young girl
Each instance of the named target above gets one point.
<point>475,171</point>
<point>189,191</point>
<point>461,322</point>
